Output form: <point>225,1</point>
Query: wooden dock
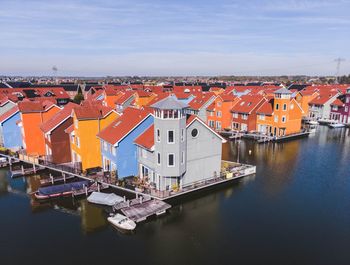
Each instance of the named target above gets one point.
<point>54,180</point>
<point>141,211</point>
<point>26,171</point>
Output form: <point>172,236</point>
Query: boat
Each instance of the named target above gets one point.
<point>108,199</point>
<point>62,190</point>
<point>3,162</point>
<point>122,222</point>
<point>336,125</point>
<point>313,122</point>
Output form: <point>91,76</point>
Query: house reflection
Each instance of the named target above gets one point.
<point>93,217</point>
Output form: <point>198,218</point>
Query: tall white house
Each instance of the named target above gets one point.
<point>178,149</point>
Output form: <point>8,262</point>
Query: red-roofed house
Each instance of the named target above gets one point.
<point>320,106</point>
<point>57,143</point>
<point>244,112</point>
<point>340,109</point>
<point>198,106</point>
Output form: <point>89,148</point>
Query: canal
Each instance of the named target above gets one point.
<point>295,210</point>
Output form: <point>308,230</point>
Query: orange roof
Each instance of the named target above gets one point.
<point>121,127</point>
<point>38,105</point>
<point>227,97</point>
<point>211,107</point>
<point>247,103</point>
<point>58,118</point>
<point>8,114</point>
<point>200,100</point>
<point>322,98</point>
<point>127,95</point>
<point>266,108</point>
<point>143,94</point>
<point>337,102</point>
<point>91,110</point>
<point>146,139</point>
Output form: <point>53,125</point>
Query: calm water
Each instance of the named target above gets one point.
<point>296,210</point>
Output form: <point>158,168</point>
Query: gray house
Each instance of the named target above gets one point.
<point>178,149</point>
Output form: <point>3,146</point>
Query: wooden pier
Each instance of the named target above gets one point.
<point>53,180</point>
<point>26,171</point>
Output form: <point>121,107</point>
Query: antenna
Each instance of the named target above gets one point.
<point>55,69</point>
<point>338,61</point>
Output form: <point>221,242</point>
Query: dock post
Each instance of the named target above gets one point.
<point>98,187</point>
<point>22,168</point>
<point>64,178</point>
<point>124,198</point>
<point>51,177</point>
<point>86,190</point>
<point>34,168</point>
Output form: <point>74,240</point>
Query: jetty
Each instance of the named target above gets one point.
<point>26,171</point>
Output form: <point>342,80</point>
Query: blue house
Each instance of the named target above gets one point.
<point>11,136</point>
<point>119,153</point>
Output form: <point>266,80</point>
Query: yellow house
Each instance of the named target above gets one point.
<point>88,120</point>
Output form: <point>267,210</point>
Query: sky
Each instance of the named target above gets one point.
<point>178,37</point>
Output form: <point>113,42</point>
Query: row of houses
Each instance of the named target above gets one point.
<point>168,137</point>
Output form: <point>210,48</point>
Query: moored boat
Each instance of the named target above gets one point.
<point>62,190</point>
<point>336,125</point>
<point>108,199</point>
<point>122,222</point>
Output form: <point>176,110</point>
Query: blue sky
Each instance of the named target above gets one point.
<point>113,37</point>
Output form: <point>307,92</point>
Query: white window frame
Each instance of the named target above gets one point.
<point>168,131</point>
<point>182,135</point>
<point>169,154</point>
<point>158,137</point>
<point>275,118</point>
<point>159,159</point>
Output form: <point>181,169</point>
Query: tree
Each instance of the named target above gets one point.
<point>78,98</point>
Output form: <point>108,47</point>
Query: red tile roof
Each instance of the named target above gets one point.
<point>338,102</point>
<point>247,103</point>
<point>322,98</point>
<point>8,114</point>
<point>38,105</point>
<point>227,97</point>
<point>211,107</point>
<point>121,127</point>
<point>127,95</point>
<point>266,108</point>
<point>146,139</point>
<point>58,118</point>
<point>91,110</point>
<point>200,100</point>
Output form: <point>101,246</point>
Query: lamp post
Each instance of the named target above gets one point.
<point>238,145</point>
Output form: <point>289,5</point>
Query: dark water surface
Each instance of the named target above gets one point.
<point>296,210</point>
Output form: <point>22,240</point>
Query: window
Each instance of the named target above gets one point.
<point>218,114</point>
<point>235,115</point>
<point>171,139</point>
<point>283,119</point>
<point>218,103</point>
<point>158,158</point>
<point>182,135</point>
<point>348,100</point>
<point>276,118</point>
<point>261,117</point>
<point>78,141</point>
<point>182,157</point>
<point>171,160</point>
<point>284,107</point>
<point>211,124</point>
<point>158,135</point>
<point>245,116</point>
<point>105,146</point>
<point>277,106</point>
<point>218,125</point>
<point>194,133</point>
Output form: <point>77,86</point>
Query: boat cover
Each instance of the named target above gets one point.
<point>104,198</point>
<point>63,187</point>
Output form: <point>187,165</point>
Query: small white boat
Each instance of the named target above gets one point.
<point>336,125</point>
<point>313,122</point>
<point>108,199</point>
<point>122,222</point>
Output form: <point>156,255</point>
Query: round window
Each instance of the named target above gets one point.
<point>194,133</point>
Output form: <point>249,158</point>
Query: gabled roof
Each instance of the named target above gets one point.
<point>338,102</point>
<point>146,139</point>
<point>247,103</point>
<point>127,95</point>
<point>58,118</point>
<point>283,90</point>
<point>200,100</point>
<point>91,110</point>
<point>8,114</point>
<point>266,108</point>
<point>38,105</point>
<point>170,103</point>
<point>323,98</point>
<point>122,126</point>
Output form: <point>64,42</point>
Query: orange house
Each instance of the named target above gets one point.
<point>142,98</point>
<point>280,115</point>
<point>219,114</point>
<point>88,120</point>
<point>303,98</point>
<point>33,114</point>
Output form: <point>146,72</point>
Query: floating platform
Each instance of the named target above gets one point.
<point>25,172</point>
<point>141,211</point>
